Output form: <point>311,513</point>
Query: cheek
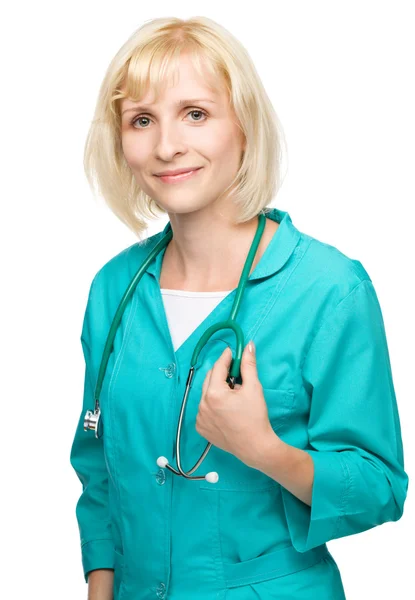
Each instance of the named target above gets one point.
<point>134,151</point>
<point>222,144</point>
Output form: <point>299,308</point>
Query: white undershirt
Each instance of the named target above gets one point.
<point>186,310</point>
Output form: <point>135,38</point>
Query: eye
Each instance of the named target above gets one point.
<point>195,110</point>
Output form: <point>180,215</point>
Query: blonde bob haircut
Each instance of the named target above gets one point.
<point>147,61</point>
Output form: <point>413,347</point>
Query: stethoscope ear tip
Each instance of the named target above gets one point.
<point>212,477</point>
<point>162,462</point>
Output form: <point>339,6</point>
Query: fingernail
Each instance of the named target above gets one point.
<point>251,347</point>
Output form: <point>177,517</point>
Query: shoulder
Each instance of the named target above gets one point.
<point>119,269</point>
<point>335,291</point>
<point>110,282</point>
<point>330,272</point>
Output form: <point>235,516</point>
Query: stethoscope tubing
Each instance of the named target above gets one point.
<point>92,419</point>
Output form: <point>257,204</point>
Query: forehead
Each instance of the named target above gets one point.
<point>178,80</point>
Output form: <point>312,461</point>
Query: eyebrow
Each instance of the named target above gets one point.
<point>179,104</point>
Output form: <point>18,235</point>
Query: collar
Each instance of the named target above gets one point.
<point>277,253</point>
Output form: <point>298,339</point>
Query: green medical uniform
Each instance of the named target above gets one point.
<point>323,362</point>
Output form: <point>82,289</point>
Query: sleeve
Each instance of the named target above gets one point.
<point>353,428</point>
<point>87,459</point>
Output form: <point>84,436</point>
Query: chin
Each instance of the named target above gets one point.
<point>181,208</point>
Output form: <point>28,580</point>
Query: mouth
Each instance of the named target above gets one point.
<point>180,177</point>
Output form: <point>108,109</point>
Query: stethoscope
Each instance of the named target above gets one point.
<point>93,421</point>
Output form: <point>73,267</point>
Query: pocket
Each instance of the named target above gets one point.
<point>250,547</point>
<point>118,575</point>
<point>314,579</point>
<point>280,405</point>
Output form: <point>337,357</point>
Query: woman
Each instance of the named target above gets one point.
<point>306,441</point>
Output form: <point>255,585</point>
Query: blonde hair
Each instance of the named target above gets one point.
<point>146,61</point>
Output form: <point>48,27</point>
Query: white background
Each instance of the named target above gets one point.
<point>341,78</point>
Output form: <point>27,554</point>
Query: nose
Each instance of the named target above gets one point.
<point>170,141</point>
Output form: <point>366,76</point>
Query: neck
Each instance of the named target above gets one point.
<point>208,254</point>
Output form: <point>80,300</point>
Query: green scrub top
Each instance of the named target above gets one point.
<point>323,362</point>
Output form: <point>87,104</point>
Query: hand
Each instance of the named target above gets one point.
<point>235,420</point>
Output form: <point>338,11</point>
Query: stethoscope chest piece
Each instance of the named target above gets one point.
<point>92,420</point>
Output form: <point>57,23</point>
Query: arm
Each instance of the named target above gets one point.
<point>289,466</point>
<point>354,430</point>
<point>88,461</point>
<point>101,584</point>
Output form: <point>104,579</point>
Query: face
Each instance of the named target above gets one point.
<point>165,136</point>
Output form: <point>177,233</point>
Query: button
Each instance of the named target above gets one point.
<point>169,370</point>
<point>161,591</point>
<point>161,476</point>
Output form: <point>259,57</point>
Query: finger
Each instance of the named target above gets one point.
<point>249,367</point>
<point>206,382</point>
<point>220,369</point>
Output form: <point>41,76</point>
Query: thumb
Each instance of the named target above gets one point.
<point>248,363</point>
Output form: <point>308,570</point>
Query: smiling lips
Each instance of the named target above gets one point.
<point>179,177</point>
